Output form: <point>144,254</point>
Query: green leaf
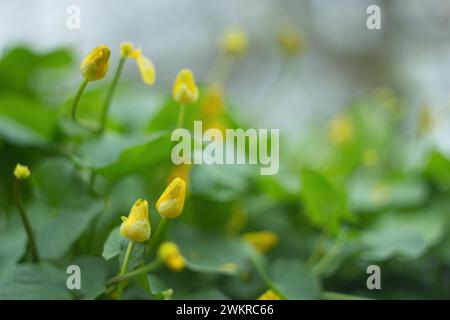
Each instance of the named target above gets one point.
<point>64,207</point>
<point>438,169</point>
<point>116,156</point>
<point>220,182</point>
<point>206,252</point>
<point>29,282</point>
<point>406,235</point>
<point>368,193</point>
<point>325,204</point>
<point>94,273</point>
<point>13,241</point>
<point>113,245</point>
<point>116,245</point>
<point>25,121</point>
<point>155,288</point>
<point>293,280</point>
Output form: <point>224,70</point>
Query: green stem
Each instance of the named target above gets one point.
<point>317,250</point>
<point>265,277</point>
<point>181,114</point>
<point>110,94</point>
<point>221,69</point>
<point>77,99</point>
<point>135,273</point>
<point>124,269</point>
<point>328,295</point>
<point>329,256</point>
<point>26,223</point>
<point>158,233</point>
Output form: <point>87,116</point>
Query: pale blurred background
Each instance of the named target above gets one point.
<point>344,60</point>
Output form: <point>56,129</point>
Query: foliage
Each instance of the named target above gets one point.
<point>372,196</point>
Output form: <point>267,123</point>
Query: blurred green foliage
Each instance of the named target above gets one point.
<point>362,191</point>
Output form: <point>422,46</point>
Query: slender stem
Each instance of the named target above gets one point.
<point>181,114</point>
<point>110,94</point>
<point>124,268</point>
<point>220,70</point>
<point>77,99</point>
<point>158,233</point>
<point>265,277</point>
<point>329,256</point>
<point>317,250</point>
<point>26,223</point>
<point>328,295</point>
<point>135,273</point>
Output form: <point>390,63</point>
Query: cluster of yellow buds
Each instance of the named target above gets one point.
<point>145,65</point>
<point>262,241</point>
<point>136,227</point>
<point>96,63</point>
<point>170,255</point>
<point>21,172</point>
<point>185,89</point>
<point>171,203</point>
<point>269,295</point>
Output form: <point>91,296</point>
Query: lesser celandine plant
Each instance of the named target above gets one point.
<point>146,251</point>
<point>169,206</point>
<point>136,228</point>
<point>184,92</point>
<point>22,173</point>
<point>94,67</point>
<point>146,69</point>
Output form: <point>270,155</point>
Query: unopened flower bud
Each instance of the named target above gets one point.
<point>96,63</point>
<point>137,226</point>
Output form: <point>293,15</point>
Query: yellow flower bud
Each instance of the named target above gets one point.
<point>234,41</point>
<point>185,89</point>
<point>170,255</point>
<point>21,172</point>
<point>125,49</point>
<point>262,241</point>
<point>96,63</point>
<point>292,41</point>
<point>212,105</point>
<point>269,295</point>
<point>171,203</point>
<point>137,226</point>
<point>341,129</point>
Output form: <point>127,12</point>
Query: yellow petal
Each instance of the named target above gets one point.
<point>185,89</point>
<point>147,69</point>
<point>171,203</point>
